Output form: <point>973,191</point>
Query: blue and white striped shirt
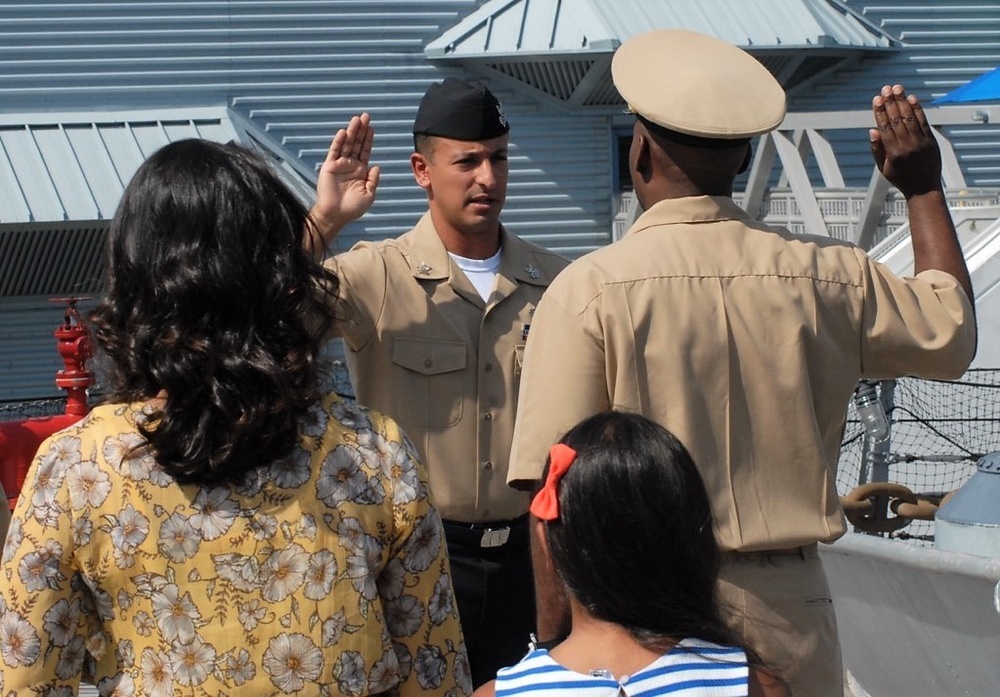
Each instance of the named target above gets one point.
<point>692,668</point>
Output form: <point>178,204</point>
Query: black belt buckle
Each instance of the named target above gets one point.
<point>495,537</point>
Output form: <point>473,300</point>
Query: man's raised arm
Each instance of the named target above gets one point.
<point>908,155</point>
<point>345,188</point>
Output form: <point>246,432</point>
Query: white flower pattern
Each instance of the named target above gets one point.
<point>175,614</point>
<point>192,662</point>
<point>292,660</point>
<point>19,642</point>
<point>341,477</point>
<point>156,673</point>
<point>88,485</point>
<point>404,615</point>
<point>283,573</point>
<point>215,513</point>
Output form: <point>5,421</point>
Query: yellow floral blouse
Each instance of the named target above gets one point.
<point>323,574</point>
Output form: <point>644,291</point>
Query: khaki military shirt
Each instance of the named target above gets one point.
<point>423,347</point>
<point>746,341</point>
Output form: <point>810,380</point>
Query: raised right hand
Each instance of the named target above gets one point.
<point>345,187</point>
<point>903,144</point>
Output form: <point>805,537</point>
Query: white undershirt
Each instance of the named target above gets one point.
<point>481,272</point>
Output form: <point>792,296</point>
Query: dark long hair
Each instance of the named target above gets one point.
<point>634,542</point>
<point>212,301</point>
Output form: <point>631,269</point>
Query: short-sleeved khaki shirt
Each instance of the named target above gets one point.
<point>746,341</point>
<point>426,349</point>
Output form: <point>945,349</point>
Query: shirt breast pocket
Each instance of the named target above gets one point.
<point>430,381</point>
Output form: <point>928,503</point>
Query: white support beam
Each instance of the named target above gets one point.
<point>801,187</point>
<point>871,209</point>
<point>802,145</point>
<point>951,173</point>
<point>760,172</point>
<point>825,159</point>
<point>863,119</point>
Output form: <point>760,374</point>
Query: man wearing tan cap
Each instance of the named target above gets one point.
<point>745,340</point>
<point>434,323</point>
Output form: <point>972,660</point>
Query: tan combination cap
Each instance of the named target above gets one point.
<point>697,85</point>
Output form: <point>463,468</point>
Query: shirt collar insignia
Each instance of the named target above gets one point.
<point>532,271</point>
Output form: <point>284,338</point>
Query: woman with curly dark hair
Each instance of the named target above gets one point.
<point>222,523</point>
<point>207,310</point>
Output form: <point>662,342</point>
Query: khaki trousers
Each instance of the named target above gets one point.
<point>780,603</point>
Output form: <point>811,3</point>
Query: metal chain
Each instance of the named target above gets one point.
<point>861,506</point>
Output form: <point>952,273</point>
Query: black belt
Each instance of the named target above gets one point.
<point>486,534</point>
<point>801,552</point>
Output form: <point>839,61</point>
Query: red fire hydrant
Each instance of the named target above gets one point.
<point>19,440</point>
<point>73,343</point>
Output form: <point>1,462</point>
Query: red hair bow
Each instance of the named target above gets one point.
<point>545,505</point>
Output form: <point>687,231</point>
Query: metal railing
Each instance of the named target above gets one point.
<point>841,209</point>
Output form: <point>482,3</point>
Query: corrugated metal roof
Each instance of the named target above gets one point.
<point>752,24</point>
<point>62,175</point>
<point>52,258</point>
<point>74,166</point>
<point>947,44</point>
<point>299,69</point>
<point>562,48</point>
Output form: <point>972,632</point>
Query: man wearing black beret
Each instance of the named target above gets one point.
<point>435,327</point>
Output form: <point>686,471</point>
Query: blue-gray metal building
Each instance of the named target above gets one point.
<point>88,89</point>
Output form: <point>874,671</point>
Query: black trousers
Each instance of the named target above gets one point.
<point>495,594</point>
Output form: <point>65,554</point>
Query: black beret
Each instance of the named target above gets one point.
<point>461,110</point>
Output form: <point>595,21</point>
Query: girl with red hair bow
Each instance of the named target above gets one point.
<point>627,527</point>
